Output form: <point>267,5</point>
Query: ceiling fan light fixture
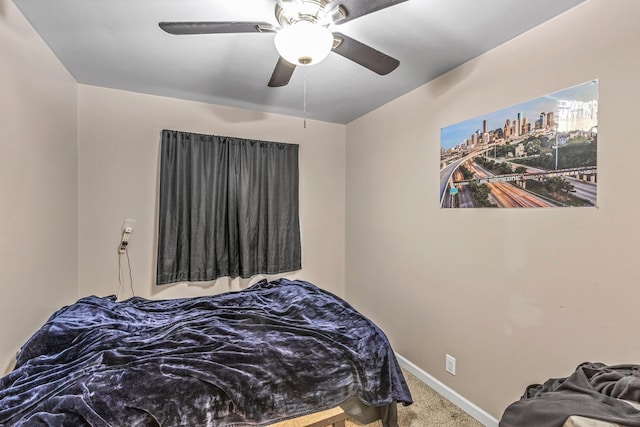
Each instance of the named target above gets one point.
<point>304,43</point>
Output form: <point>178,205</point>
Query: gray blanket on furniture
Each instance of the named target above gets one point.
<point>594,391</point>
<point>273,351</point>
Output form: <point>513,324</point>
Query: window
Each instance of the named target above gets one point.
<point>228,207</point>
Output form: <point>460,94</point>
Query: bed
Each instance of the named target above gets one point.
<point>272,352</point>
<point>595,395</point>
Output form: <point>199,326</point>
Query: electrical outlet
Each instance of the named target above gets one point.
<point>450,364</point>
<point>127,229</point>
<point>128,225</point>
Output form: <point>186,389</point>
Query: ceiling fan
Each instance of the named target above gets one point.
<point>303,36</point>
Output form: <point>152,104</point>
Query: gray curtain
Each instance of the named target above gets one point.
<point>228,207</point>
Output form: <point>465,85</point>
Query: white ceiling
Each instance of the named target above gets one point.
<point>118,44</point>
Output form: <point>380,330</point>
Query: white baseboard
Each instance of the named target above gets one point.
<point>460,401</point>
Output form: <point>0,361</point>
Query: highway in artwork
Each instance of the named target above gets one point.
<point>508,190</point>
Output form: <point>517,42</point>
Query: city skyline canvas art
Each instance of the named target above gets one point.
<point>538,154</point>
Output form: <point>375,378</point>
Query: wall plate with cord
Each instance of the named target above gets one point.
<point>127,229</point>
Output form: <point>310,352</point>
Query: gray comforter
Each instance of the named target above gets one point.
<point>594,390</point>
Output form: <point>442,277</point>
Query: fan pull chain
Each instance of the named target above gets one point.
<point>304,103</point>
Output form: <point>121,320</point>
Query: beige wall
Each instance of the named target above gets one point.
<point>119,136</point>
<point>517,296</point>
<point>38,182</point>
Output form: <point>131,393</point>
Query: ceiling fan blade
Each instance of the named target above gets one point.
<point>281,74</point>
<point>180,28</point>
<point>364,55</point>
<point>357,8</point>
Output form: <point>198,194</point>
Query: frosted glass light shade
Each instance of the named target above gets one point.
<point>304,43</point>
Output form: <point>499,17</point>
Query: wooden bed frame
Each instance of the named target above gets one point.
<point>334,417</point>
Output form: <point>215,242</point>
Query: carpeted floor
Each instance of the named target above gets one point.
<point>428,409</point>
